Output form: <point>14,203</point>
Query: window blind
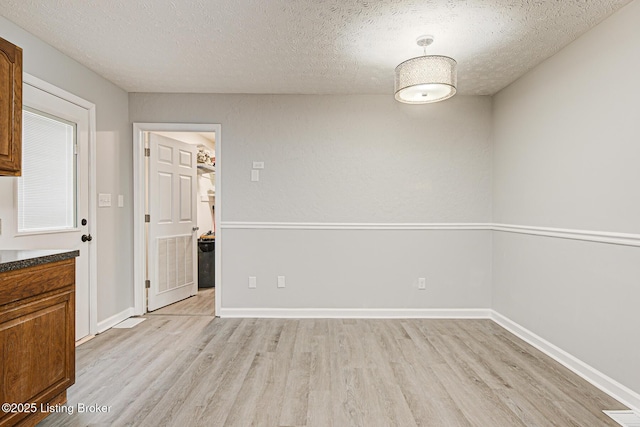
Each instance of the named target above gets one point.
<point>47,188</point>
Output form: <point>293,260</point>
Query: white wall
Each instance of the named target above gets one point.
<point>205,202</point>
<point>566,155</point>
<point>114,165</point>
<point>347,159</point>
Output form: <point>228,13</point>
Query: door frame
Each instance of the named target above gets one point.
<point>139,254</point>
<point>93,217</point>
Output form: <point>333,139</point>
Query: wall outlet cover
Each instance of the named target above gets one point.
<point>281,282</point>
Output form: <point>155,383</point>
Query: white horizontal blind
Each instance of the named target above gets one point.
<point>47,188</point>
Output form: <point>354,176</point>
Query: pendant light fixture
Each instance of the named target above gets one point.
<point>425,79</point>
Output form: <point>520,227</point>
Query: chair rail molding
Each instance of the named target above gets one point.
<point>626,239</point>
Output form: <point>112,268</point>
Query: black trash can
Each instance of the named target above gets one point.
<point>206,263</point>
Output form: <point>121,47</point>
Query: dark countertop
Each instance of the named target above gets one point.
<point>16,259</point>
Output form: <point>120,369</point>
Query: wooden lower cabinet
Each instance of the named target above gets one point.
<point>37,340</point>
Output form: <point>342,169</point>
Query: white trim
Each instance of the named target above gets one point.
<point>605,383</point>
<point>93,222</point>
<point>139,262</point>
<point>93,218</point>
<point>217,217</point>
<point>46,231</point>
<point>626,239</point>
<point>139,296</point>
<point>56,91</point>
<point>357,313</point>
<point>110,322</point>
<point>352,226</point>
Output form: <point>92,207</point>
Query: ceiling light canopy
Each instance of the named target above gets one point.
<point>425,79</point>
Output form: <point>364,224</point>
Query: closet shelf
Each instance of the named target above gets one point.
<point>203,169</point>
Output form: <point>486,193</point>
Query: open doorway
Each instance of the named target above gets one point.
<point>177,206</point>
<point>203,302</point>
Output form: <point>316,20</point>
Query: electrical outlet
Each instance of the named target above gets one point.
<point>422,283</point>
<point>281,282</point>
<point>252,282</point>
<point>255,175</point>
<point>258,165</point>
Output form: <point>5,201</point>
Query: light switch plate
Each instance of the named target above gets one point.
<point>258,165</point>
<point>255,175</point>
<point>120,201</point>
<point>281,282</point>
<point>252,282</point>
<point>104,200</point>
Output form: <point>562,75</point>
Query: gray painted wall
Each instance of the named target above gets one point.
<point>362,158</point>
<point>114,165</point>
<point>566,154</point>
<point>357,268</point>
<point>347,159</point>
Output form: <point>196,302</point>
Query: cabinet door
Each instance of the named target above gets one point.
<point>10,108</point>
<point>37,347</point>
<point>37,352</point>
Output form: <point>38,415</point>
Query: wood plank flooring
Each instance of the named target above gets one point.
<point>201,304</point>
<point>202,371</point>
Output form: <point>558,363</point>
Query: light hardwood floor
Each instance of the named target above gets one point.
<point>202,304</point>
<point>201,371</point>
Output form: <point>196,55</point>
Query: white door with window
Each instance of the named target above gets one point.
<point>172,237</point>
<point>52,195</point>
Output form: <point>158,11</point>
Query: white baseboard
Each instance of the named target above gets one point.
<point>357,313</point>
<point>110,322</point>
<point>608,385</point>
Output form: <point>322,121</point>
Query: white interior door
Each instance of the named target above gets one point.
<point>52,196</point>
<point>172,241</point>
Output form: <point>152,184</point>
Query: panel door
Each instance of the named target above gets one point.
<point>52,195</point>
<point>172,240</point>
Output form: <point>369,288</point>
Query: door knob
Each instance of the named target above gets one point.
<point>195,229</point>
<point>86,238</point>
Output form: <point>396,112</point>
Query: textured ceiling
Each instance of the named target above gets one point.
<point>303,46</point>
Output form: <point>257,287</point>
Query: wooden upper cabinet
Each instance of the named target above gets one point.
<point>10,109</point>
